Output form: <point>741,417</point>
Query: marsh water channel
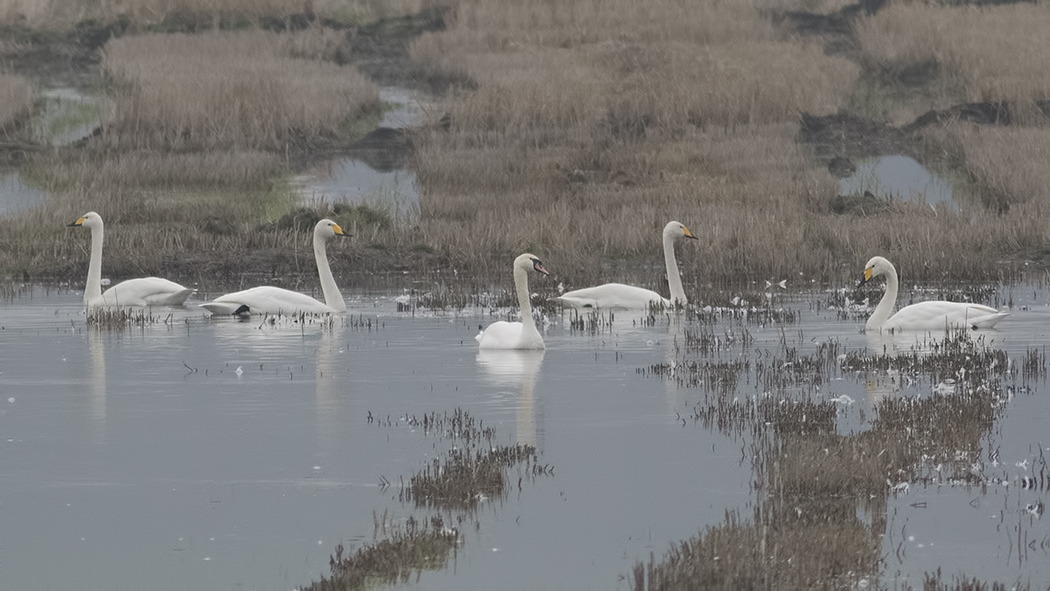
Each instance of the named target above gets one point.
<point>363,176</point>
<point>217,453</point>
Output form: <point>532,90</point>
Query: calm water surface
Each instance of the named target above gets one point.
<point>144,458</point>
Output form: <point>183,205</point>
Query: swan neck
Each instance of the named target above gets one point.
<point>885,308</point>
<point>332,297</point>
<point>93,288</point>
<point>521,285</point>
<point>674,279</point>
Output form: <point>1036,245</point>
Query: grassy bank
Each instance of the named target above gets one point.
<point>240,90</point>
<point>584,128</point>
<point>575,131</point>
<point>177,14</point>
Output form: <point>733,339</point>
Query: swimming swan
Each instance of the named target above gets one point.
<point>144,291</point>
<point>516,335</point>
<point>618,295</point>
<point>275,300</point>
<point>934,315</point>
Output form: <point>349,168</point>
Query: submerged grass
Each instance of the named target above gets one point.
<point>472,471</point>
<point>118,319</point>
<point>409,549</point>
<point>465,478</point>
<point>812,483</point>
<point>778,554</point>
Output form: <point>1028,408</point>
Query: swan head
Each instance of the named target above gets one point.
<point>875,267</point>
<point>678,230</point>
<point>529,262</point>
<point>326,228</point>
<point>88,220</point>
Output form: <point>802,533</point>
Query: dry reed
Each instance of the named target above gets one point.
<point>213,170</point>
<point>1007,162</point>
<point>574,130</point>
<point>586,127</point>
<point>994,51</point>
<point>579,129</point>
<point>226,90</point>
<point>58,13</point>
<point>16,99</point>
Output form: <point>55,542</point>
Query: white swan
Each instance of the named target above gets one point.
<point>618,295</point>
<point>516,335</point>
<point>275,300</point>
<point>144,291</point>
<point>933,315</point>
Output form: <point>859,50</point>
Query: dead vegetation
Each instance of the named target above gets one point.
<point>16,100</point>
<point>199,13</point>
<point>992,51</point>
<point>403,552</point>
<point>571,129</point>
<point>813,483</point>
<point>473,471</point>
<point>250,90</point>
<point>576,130</point>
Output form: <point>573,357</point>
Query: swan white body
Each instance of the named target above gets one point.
<point>276,300</point>
<point>932,315</point>
<point>516,335</point>
<point>620,296</point>
<point>141,292</point>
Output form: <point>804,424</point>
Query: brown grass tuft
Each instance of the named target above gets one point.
<point>577,130</point>
<point>16,100</point>
<point>995,50</point>
<point>1006,162</point>
<point>149,169</point>
<point>56,13</point>
<point>226,90</point>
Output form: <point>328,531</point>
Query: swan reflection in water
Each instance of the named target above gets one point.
<point>331,391</point>
<point>97,402</point>
<point>888,384</point>
<point>517,369</point>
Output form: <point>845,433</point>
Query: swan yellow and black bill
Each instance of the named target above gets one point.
<point>867,276</point>
<point>79,222</point>
<point>338,230</point>
<point>688,234</point>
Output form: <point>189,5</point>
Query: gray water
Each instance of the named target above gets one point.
<point>356,181</point>
<point>143,458</point>
<point>901,178</point>
<point>17,196</point>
